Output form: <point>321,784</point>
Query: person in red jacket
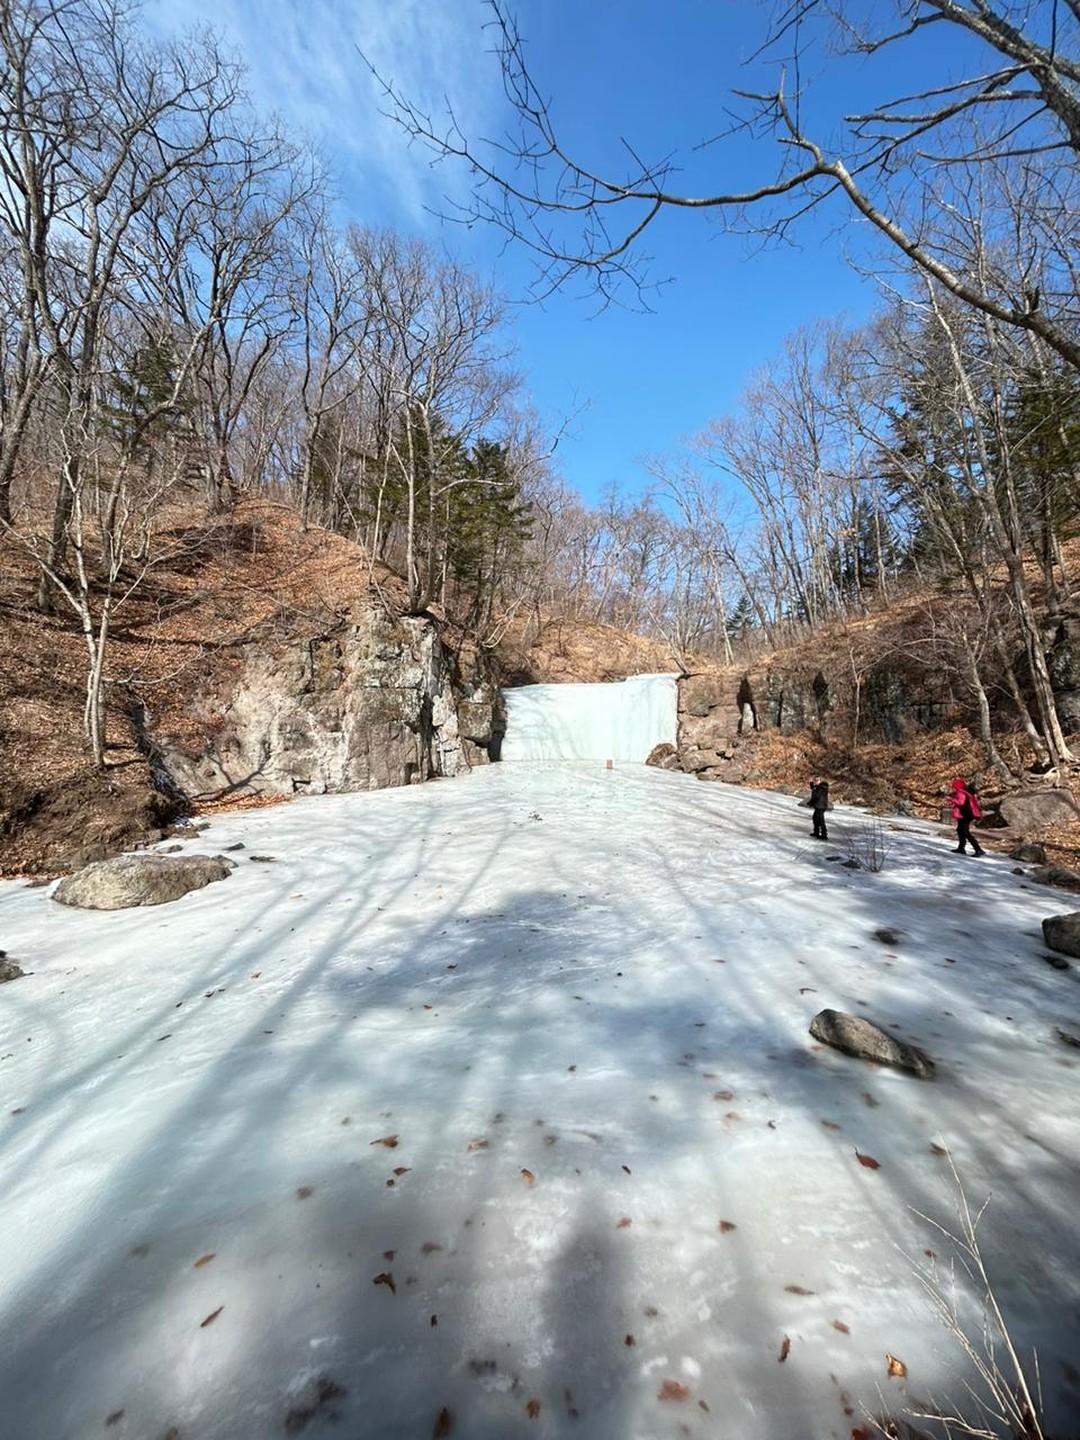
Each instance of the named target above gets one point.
<point>965,809</point>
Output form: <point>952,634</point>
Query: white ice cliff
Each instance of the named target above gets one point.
<point>619,721</point>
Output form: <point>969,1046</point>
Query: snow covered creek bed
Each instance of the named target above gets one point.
<point>487,1109</point>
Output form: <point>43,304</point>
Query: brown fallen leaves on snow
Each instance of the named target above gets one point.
<point>672,1390</point>
<point>894,1368</point>
<point>444,1423</point>
<point>204,1260</point>
<point>384,1277</point>
<point>785,1349</point>
<point>867,1160</point>
<point>532,1409</point>
<point>390,1141</point>
<point>211,1317</point>
<point>528,1176</point>
<point>726,1226</point>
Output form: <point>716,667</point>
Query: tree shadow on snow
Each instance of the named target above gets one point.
<point>396,1225</point>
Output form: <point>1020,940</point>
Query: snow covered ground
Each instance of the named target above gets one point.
<point>488,1109</point>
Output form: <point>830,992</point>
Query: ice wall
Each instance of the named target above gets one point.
<point>620,721</point>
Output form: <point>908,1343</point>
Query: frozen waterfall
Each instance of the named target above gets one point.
<point>619,721</point>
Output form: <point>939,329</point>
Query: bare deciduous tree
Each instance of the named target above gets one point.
<point>1013,90</point>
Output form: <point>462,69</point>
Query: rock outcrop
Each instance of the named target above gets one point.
<point>1062,636</point>
<point>369,702</point>
<point>722,710</point>
<point>858,1037</point>
<point>130,880</point>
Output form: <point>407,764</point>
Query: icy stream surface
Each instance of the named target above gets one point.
<point>495,1097</point>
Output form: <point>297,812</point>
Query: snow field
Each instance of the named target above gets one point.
<point>495,1097</point>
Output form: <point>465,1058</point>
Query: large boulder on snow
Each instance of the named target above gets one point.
<point>140,880</point>
<point>1055,875</point>
<point>1062,932</point>
<point>1034,810</point>
<point>858,1037</point>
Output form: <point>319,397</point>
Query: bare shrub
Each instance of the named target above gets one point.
<point>1003,1398</point>
<point>867,845</point>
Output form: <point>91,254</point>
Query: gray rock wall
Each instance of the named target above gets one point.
<point>372,702</point>
<point>718,708</point>
<point>1062,636</point>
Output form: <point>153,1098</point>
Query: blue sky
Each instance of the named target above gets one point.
<point>630,384</point>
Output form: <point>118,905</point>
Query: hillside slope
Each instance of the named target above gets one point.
<point>257,660</point>
<point>227,595</point>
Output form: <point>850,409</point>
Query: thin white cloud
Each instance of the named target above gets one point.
<point>304,62</point>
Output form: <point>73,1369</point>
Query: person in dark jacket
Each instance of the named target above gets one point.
<point>965,809</point>
<point>819,803</point>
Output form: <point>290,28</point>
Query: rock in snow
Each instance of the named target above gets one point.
<point>1062,932</point>
<point>1055,875</point>
<point>140,880</point>
<point>860,1038</point>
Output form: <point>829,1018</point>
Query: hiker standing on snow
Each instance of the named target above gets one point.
<point>965,809</point>
<point>819,803</point>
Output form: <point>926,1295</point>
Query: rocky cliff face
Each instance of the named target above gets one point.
<point>887,701</point>
<point>882,688</point>
<point>370,701</point>
<point>1062,637</point>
